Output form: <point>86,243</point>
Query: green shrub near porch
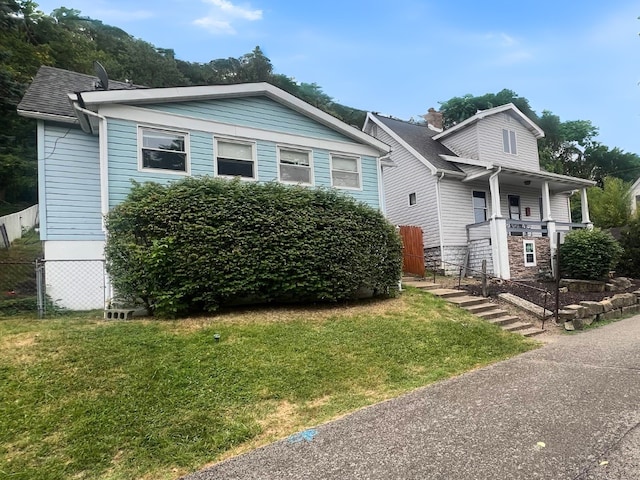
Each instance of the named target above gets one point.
<point>200,243</point>
<point>588,254</point>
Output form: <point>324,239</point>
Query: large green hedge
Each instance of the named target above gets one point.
<point>630,242</point>
<point>588,254</point>
<point>200,243</point>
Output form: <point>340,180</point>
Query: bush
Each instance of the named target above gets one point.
<point>630,243</point>
<point>588,254</point>
<point>201,243</point>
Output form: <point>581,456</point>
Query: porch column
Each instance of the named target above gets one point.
<point>584,206</point>
<point>546,202</point>
<point>498,227</point>
<point>551,223</point>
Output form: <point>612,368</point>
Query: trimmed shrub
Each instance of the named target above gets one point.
<point>588,254</point>
<point>630,242</point>
<point>200,243</point>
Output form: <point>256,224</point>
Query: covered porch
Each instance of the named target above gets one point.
<point>518,239</point>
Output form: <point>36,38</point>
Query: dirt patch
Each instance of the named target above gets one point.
<point>543,293</point>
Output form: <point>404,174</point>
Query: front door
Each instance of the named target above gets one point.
<point>514,212</point>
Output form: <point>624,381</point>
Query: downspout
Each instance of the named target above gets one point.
<point>438,206</point>
<point>104,180</point>
<point>104,171</point>
<point>381,197</point>
<point>494,211</point>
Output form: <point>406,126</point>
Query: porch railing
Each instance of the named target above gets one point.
<point>520,228</point>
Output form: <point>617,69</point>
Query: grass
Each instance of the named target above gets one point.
<point>84,398</point>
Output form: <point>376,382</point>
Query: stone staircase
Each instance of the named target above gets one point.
<point>479,306</point>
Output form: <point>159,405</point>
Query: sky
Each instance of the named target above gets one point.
<point>579,60</point>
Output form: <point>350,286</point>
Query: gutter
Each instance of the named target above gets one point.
<point>438,206</point>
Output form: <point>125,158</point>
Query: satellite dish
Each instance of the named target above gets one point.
<point>103,79</point>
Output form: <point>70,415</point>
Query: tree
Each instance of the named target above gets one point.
<point>610,206</point>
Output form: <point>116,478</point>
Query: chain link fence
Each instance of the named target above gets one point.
<point>47,287</point>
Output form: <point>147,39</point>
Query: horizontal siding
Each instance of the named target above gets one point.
<point>560,210</point>
<point>463,142</point>
<point>258,112</point>
<point>456,199</point>
<point>123,164</point>
<point>71,184</point>
<point>492,148</point>
<point>410,176</point>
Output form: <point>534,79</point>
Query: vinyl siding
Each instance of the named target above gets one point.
<point>456,200</point>
<point>258,112</point>
<point>410,176</point>
<point>123,164</point>
<point>491,145</point>
<point>464,142</point>
<point>560,211</point>
<point>71,184</point>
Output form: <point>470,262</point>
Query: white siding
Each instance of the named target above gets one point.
<point>560,211</point>
<point>456,200</point>
<point>464,142</point>
<point>491,145</point>
<point>410,176</point>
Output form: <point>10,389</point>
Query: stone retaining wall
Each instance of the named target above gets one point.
<point>585,313</point>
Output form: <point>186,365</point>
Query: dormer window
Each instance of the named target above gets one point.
<point>509,141</point>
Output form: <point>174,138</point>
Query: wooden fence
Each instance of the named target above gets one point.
<point>413,250</point>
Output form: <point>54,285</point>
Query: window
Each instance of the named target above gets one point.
<point>412,199</point>
<point>235,159</point>
<point>163,150</point>
<point>345,172</point>
<point>295,166</point>
<point>529,253</point>
<point>509,141</point>
<point>480,206</point>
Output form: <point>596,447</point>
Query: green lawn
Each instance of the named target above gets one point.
<point>85,398</point>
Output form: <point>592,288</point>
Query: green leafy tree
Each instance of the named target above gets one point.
<point>630,242</point>
<point>610,206</point>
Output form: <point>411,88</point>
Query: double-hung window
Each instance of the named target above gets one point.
<point>295,166</point>
<point>163,150</point>
<point>235,159</point>
<point>479,206</point>
<point>509,141</point>
<point>529,253</point>
<point>345,172</point>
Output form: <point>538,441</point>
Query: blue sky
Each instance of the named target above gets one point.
<point>581,60</point>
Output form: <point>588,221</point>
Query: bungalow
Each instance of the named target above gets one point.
<point>95,137</point>
<point>477,191</point>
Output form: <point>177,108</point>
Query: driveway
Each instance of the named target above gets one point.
<point>569,410</point>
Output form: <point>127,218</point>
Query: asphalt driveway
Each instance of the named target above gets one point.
<point>569,410</point>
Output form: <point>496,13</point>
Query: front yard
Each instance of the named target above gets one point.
<point>84,398</point>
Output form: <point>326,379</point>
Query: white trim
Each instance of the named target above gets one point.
<point>187,151</point>
<point>292,148</point>
<point>415,199</point>
<point>182,122</point>
<point>350,157</point>
<point>211,92</point>
<point>532,127</point>
<point>524,250</point>
<point>241,141</point>
<point>399,139</point>
<point>467,161</point>
<point>487,215</point>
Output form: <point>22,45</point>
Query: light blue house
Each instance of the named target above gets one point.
<point>92,143</point>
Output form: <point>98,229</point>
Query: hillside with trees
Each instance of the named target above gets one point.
<point>67,39</point>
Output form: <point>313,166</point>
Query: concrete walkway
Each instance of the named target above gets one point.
<point>570,410</point>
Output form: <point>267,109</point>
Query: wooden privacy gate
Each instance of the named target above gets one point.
<point>413,250</point>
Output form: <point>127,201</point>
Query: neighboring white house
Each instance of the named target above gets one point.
<point>92,143</point>
<point>477,191</point>
<point>634,195</point>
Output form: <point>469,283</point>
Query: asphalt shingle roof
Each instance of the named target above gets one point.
<point>419,138</point>
<point>48,92</point>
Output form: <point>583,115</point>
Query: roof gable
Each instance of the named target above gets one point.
<point>509,107</point>
<point>417,139</point>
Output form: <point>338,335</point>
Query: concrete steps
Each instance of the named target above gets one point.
<point>479,306</point>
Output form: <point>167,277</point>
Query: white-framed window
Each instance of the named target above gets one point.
<point>529,247</point>
<point>412,199</point>
<point>295,166</point>
<point>509,141</point>
<point>164,150</point>
<point>235,158</point>
<point>345,172</point>
<point>479,206</point>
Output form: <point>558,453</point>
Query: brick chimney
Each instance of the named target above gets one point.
<point>433,119</point>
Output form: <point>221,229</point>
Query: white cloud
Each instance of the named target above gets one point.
<point>223,14</point>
